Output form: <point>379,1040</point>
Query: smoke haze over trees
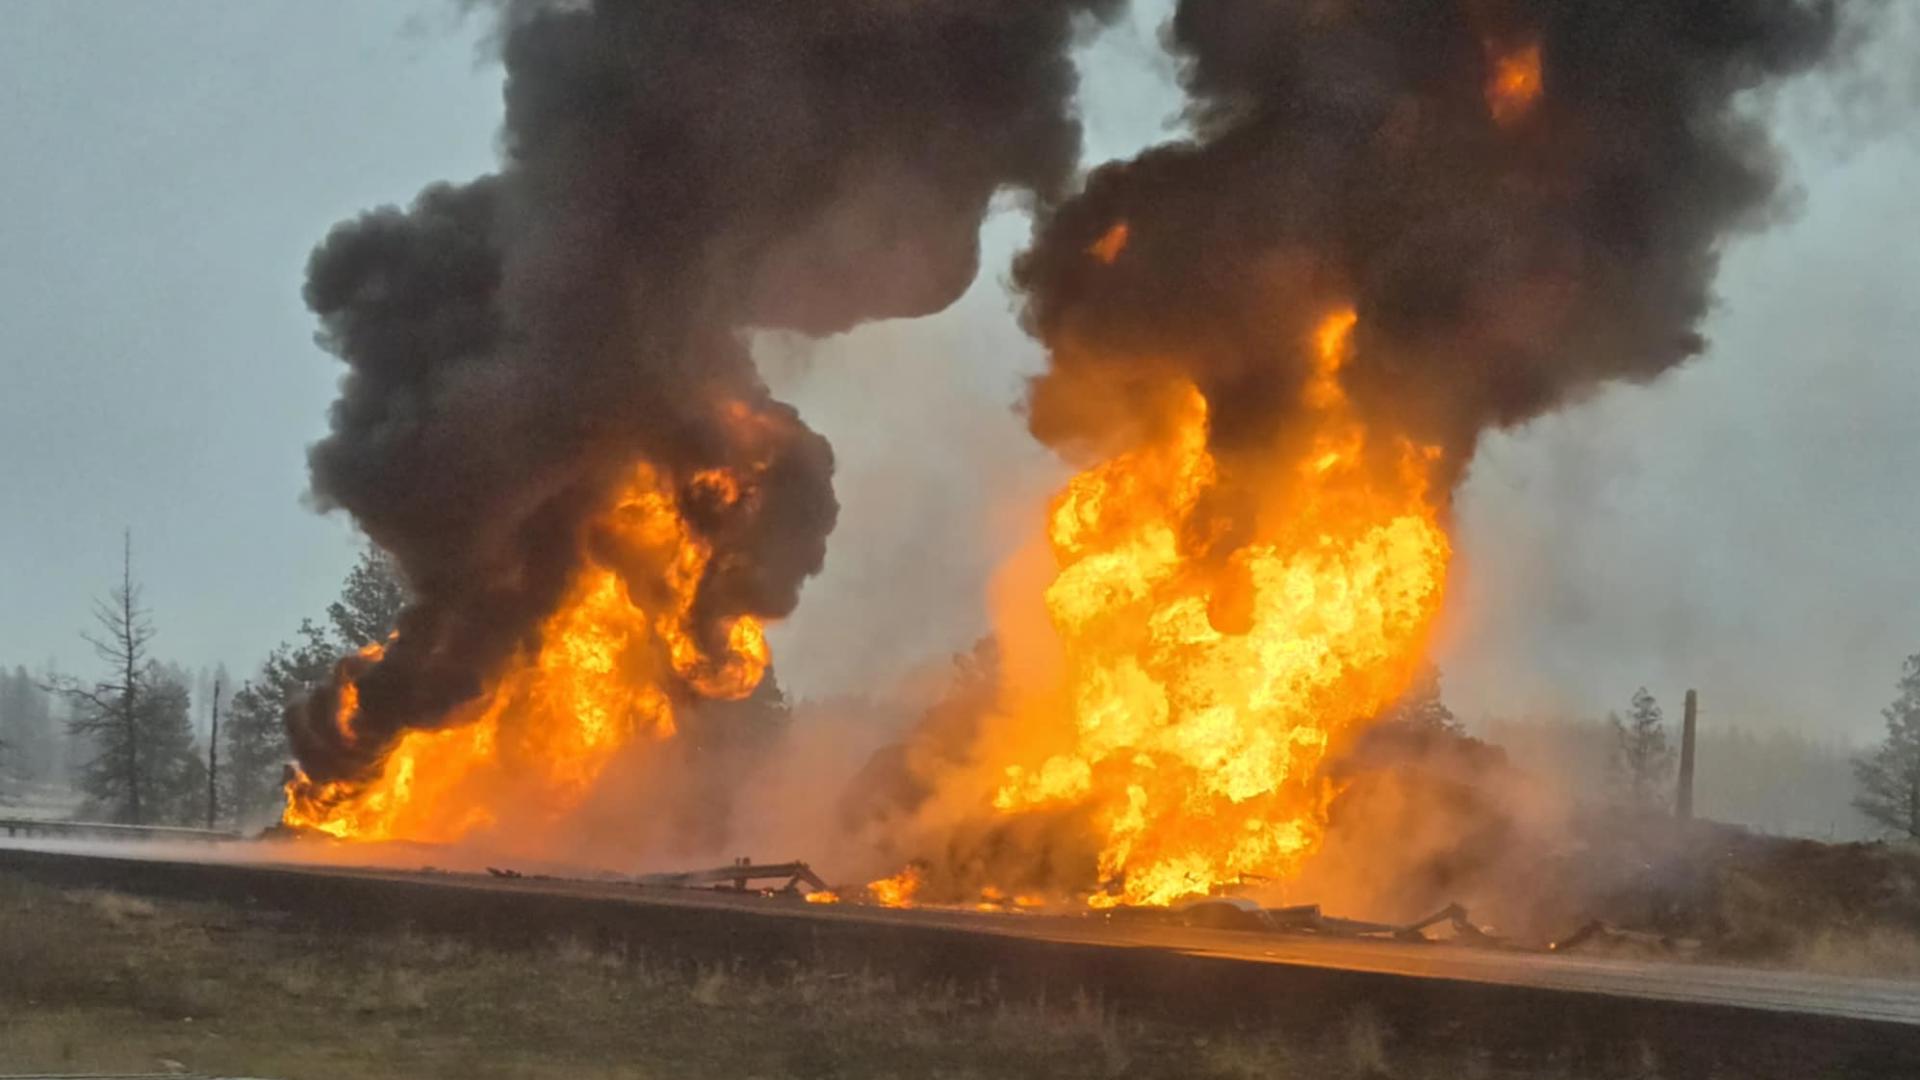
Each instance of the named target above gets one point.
<point>1421,706</point>
<point>29,736</point>
<point>1642,758</point>
<point>1889,776</point>
<point>130,735</point>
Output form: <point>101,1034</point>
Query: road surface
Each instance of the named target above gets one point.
<point>1764,1022</point>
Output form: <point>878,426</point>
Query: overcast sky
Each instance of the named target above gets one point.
<point>1750,525</point>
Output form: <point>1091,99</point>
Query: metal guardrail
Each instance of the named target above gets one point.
<point>44,827</point>
<point>118,1076</point>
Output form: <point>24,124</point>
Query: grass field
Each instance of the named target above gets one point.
<point>94,981</point>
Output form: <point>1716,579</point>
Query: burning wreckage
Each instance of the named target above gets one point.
<point>1271,350</point>
<point>797,881</point>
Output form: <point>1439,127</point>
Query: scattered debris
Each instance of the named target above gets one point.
<point>1239,913</point>
<point>736,878</point>
<point>1600,933</point>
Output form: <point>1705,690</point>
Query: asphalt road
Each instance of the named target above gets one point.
<point>1802,993</point>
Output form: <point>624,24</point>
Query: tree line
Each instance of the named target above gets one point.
<point>1886,779</point>
<point>1629,761</point>
<point>125,736</point>
<point>126,739</point>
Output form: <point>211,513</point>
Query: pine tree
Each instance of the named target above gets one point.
<point>370,600</point>
<point>173,775</point>
<point>1643,761</point>
<point>1421,707</point>
<point>256,748</point>
<point>254,724</point>
<point>1888,778</point>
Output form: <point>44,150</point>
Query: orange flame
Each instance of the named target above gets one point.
<point>897,891</point>
<point>532,748</point>
<point>1514,84</point>
<point>1203,694</point>
<point>1112,243</point>
<point>992,898</point>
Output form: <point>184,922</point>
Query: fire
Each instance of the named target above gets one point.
<point>1514,84</point>
<point>992,898</point>
<point>1203,692</point>
<point>823,896</point>
<point>898,890</point>
<point>531,749</point>
<point>349,701</point>
<point>1111,243</point>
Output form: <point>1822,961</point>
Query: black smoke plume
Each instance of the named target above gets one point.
<point>1503,256</point>
<point>675,173</point>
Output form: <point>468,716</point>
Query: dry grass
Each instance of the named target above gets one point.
<point>100,982</point>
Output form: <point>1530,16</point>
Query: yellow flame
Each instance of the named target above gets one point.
<point>1195,739</point>
<point>897,891</point>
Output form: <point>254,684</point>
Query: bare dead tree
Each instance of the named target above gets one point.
<point>108,712</point>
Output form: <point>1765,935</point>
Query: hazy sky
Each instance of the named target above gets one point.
<point>167,169</point>
<point>1750,525</point>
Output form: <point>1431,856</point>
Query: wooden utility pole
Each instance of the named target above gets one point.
<point>213,760</point>
<point>1684,807</point>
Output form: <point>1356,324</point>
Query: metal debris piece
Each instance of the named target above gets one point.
<point>736,878</point>
<point>1239,913</point>
<point>1601,932</point>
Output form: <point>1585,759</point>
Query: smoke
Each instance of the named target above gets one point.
<point>675,173</point>
<point>1519,201</point>
<point>1507,249</point>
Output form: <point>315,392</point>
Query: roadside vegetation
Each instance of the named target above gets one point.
<point>99,982</point>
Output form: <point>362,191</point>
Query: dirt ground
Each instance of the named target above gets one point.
<point>93,981</point>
